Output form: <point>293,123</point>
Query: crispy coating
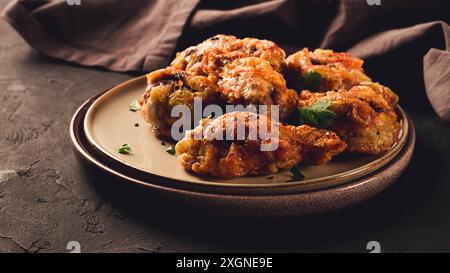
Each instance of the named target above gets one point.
<point>385,92</point>
<point>169,87</point>
<point>209,57</point>
<point>254,81</point>
<point>338,70</point>
<point>227,70</point>
<point>200,69</point>
<point>366,120</point>
<point>210,156</point>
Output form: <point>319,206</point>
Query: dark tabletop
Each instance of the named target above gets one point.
<point>48,197</point>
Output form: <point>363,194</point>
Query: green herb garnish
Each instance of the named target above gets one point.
<point>171,150</point>
<point>134,106</point>
<point>317,114</point>
<point>296,174</point>
<point>312,81</point>
<point>125,149</point>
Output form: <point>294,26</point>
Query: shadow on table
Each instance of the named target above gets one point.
<point>381,218</point>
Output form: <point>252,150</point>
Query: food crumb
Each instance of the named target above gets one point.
<point>136,125</point>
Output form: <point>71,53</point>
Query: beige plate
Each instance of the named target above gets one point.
<point>109,124</point>
<point>251,202</point>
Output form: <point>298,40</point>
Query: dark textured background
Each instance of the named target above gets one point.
<point>48,198</point>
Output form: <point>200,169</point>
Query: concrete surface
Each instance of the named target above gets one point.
<point>48,198</point>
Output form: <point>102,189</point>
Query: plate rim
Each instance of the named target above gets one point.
<point>305,185</point>
<point>353,190</point>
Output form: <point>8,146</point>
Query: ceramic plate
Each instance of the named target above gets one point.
<point>108,124</point>
<point>252,203</point>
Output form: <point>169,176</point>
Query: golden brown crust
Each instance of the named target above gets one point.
<point>202,67</point>
<point>235,158</point>
<point>383,91</point>
<point>338,70</point>
<point>228,70</point>
<point>366,121</point>
<point>169,87</point>
<point>209,57</point>
<point>254,81</point>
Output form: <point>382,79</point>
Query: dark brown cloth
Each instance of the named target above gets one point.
<point>119,35</point>
<point>406,43</point>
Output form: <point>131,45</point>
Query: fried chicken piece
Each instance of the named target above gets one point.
<point>366,119</point>
<point>169,87</point>
<point>254,81</point>
<point>337,70</point>
<point>202,152</point>
<point>209,57</point>
<point>201,69</point>
<point>383,91</point>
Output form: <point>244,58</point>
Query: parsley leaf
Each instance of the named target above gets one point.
<point>317,114</point>
<point>296,174</point>
<point>171,150</point>
<point>125,149</point>
<point>134,106</point>
<point>312,81</point>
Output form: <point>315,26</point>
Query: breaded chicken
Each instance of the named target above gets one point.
<point>254,81</point>
<point>203,153</point>
<point>383,91</point>
<point>337,70</point>
<point>197,71</point>
<point>366,118</point>
<point>169,87</point>
<point>209,57</point>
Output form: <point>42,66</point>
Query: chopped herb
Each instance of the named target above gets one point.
<point>171,150</point>
<point>317,114</point>
<point>312,81</point>
<point>296,174</point>
<point>134,106</point>
<point>125,149</point>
